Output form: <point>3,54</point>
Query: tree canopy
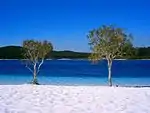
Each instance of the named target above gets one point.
<point>109,42</point>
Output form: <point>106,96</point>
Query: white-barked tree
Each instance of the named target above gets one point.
<point>109,42</point>
<point>35,52</point>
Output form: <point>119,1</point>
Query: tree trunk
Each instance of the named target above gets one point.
<point>109,72</point>
<point>34,78</point>
<point>34,81</point>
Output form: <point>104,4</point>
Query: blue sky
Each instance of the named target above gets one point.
<point>66,22</point>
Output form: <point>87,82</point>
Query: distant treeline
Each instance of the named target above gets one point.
<point>142,53</point>
<point>16,52</point>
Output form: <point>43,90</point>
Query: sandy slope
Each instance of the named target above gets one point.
<point>73,99</point>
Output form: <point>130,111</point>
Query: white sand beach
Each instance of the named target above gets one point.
<point>73,99</point>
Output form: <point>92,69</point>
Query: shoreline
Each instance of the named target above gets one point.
<point>76,59</point>
<point>115,86</point>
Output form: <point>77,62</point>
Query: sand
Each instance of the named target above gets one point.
<point>73,99</point>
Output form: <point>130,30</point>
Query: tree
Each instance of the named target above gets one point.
<point>35,53</point>
<point>109,42</point>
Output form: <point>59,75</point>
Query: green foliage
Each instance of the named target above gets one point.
<point>69,55</point>
<point>11,52</point>
<point>15,52</point>
<point>36,50</point>
<point>109,42</point>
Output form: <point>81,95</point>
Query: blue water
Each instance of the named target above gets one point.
<point>78,72</point>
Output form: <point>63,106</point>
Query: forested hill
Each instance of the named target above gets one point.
<point>15,52</point>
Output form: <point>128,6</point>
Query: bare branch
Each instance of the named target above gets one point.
<point>42,61</point>
<point>29,69</point>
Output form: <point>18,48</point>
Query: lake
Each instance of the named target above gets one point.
<point>77,72</point>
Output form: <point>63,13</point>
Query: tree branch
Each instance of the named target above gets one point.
<point>40,65</point>
<point>29,69</point>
